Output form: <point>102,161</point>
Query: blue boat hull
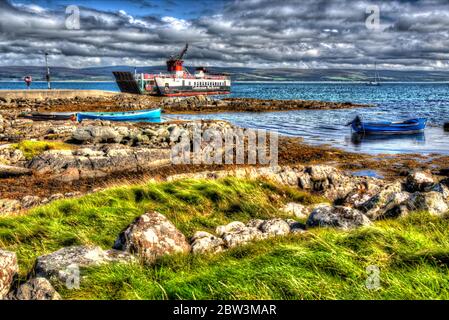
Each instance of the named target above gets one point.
<point>146,115</point>
<point>406,127</point>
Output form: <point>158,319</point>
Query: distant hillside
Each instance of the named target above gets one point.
<point>239,74</point>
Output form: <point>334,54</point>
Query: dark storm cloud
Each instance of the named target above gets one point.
<point>252,33</point>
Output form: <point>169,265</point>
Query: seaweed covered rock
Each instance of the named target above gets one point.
<point>337,217</point>
<point>8,271</point>
<point>152,236</point>
<point>419,181</point>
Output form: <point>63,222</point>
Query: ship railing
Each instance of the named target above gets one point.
<point>166,76</point>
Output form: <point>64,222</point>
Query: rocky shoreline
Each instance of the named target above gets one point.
<point>43,161</point>
<point>126,102</point>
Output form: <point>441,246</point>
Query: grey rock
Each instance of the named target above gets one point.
<point>35,289</point>
<point>230,227</point>
<point>296,209</point>
<point>204,242</point>
<point>9,206</point>
<point>337,217</point>
<point>242,236</point>
<point>152,236</point>
<point>419,181</point>
<point>255,223</point>
<point>59,264</point>
<point>97,134</point>
<point>275,227</point>
<point>30,201</point>
<point>432,201</point>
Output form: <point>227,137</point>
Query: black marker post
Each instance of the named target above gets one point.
<point>47,76</point>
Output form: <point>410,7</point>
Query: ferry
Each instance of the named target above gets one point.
<point>178,81</point>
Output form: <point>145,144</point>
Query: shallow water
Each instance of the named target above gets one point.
<point>395,101</point>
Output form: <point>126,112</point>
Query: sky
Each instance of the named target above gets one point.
<point>341,34</point>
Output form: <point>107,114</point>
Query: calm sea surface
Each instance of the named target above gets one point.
<point>394,101</point>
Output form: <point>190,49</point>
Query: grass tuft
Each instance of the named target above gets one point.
<point>31,148</point>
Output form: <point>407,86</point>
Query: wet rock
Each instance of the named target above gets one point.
<point>275,227</point>
<point>296,209</point>
<point>60,265</point>
<point>8,271</point>
<point>35,289</point>
<point>242,236</point>
<point>204,242</point>
<point>337,217</point>
<point>151,236</point>
<point>432,201</point>
<point>419,181</point>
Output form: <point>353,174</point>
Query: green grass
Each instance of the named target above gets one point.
<point>32,148</point>
<point>412,253</point>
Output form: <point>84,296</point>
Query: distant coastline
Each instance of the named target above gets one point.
<point>248,81</point>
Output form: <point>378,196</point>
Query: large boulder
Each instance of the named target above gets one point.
<point>204,242</point>
<point>60,264</point>
<point>337,217</point>
<point>432,201</point>
<point>152,236</point>
<point>419,181</point>
<point>380,203</point>
<point>8,271</point>
<point>35,289</point>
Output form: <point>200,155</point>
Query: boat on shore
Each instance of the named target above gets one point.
<point>38,116</point>
<point>410,126</point>
<point>145,115</point>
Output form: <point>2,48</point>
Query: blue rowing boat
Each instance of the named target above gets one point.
<point>404,127</point>
<point>145,115</point>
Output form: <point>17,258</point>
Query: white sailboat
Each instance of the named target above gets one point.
<point>376,80</point>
